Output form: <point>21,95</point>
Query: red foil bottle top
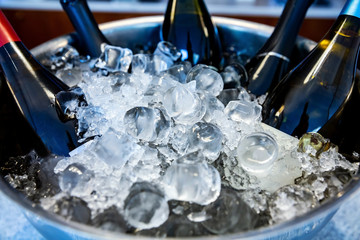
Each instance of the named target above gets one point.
<point>7,33</point>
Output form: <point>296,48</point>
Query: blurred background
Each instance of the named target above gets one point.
<point>37,21</point>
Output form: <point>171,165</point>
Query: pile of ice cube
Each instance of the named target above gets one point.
<point>164,156</point>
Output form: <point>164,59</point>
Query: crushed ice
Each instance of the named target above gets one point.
<point>169,152</point>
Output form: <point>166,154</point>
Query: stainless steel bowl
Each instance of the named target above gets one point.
<point>145,31</point>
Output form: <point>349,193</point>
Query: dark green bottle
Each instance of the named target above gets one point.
<point>312,92</point>
<point>188,25</point>
<point>343,128</point>
<point>34,88</point>
<point>90,36</point>
<point>271,62</point>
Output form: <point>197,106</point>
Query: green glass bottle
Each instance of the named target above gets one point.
<point>270,64</point>
<point>89,34</point>
<point>307,97</point>
<point>188,25</point>
<point>34,88</point>
<point>343,128</point>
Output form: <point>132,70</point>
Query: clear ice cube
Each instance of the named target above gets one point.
<point>145,207</point>
<point>228,95</point>
<point>244,95</point>
<point>147,124</point>
<point>257,152</point>
<point>115,149</point>
<point>114,59</point>
<point>196,70</point>
<point>140,63</point>
<point>290,201</point>
<point>234,75</point>
<point>91,121</point>
<point>64,58</point>
<point>207,138</point>
<point>179,71</point>
<point>257,199</point>
<point>70,77</point>
<point>206,79</point>
<point>183,105</point>
<point>75,178</point>
<point>67,102</point>
<point>168,51</point>
<point>213,106</point>
<point>161,60</point>
<point>243,111</point>
<point>191,179</point>
<point>178,139</point>
<point>229,214</point>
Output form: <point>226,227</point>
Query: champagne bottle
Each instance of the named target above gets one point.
<point>313,91</point>
<point>90,36</point>
<point>271,62</point>
<point>343,127</point>
<point>34,88</point>
<point>187,25</point>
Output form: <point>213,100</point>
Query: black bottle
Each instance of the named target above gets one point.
<point>270,64</point>
<point>34,88</point>
<point>90,36</point>
<point>188,25</point>
<point>314,90</point>
<point>343,128</point>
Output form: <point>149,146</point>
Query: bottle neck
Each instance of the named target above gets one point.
<point>282,39</point>
<point>7,33</point>
<point>14,55</point>
<point>85,25</point>
<point>186,6</point>
<point>352,8</point>
<point>346,29</point>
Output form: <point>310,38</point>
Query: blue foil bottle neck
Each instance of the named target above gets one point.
<point>352,8</point>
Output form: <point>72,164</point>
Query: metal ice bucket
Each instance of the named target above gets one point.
<point>145,32</point>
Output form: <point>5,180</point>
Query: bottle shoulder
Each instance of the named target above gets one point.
<point>15,57</point>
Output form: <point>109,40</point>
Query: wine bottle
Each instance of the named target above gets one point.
<point>33,88</point>
<point>270,64</point>
<point>188,25</point>
<point>307,97</point>
<point>89,34</point>
<point>343,127</point>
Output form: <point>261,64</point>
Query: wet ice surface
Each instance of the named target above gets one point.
<point>257,152</point>
<point>164,156</point>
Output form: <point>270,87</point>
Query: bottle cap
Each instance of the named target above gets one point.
<point>7,33</point>
<point>352,8</point>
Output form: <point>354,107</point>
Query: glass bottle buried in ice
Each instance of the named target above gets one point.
<point>90,36</point>
<point>312,92</point>
<point>34,89</point>
<point>270,64</point>
<point>188,26</point>
<point>343,127</point>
